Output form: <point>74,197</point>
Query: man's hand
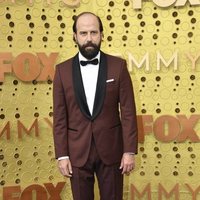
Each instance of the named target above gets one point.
<point>65,167</point>
<point>127,163</point>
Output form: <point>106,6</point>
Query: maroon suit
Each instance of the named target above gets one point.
<point>75,129</point>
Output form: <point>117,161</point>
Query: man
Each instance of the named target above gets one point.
<point>95,129</point>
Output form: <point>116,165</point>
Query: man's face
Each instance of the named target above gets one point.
<point>88,36</point>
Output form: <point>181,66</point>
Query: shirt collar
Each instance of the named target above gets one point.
<point>81,57</point>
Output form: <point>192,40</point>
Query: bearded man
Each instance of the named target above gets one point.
<point>95,128</point>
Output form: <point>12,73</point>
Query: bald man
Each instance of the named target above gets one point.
<point>95,129</point>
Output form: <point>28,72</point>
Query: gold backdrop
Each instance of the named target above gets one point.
<point>160,41</point>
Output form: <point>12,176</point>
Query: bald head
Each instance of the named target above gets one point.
<point>83,15</point>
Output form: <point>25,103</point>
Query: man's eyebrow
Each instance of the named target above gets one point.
<point>91,31</point>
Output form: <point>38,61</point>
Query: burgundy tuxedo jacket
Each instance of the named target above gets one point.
<point>112,124</point>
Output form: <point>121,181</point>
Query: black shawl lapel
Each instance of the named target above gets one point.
<point>101,86</point>
<point>78,87</point>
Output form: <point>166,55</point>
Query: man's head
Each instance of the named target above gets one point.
<point>88,34</point>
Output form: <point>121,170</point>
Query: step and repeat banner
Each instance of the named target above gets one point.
<point>160,41</point>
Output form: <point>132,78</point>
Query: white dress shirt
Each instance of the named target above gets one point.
<point>89,76</point>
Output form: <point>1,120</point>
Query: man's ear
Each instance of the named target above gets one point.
<point>74,38</point>
<point>102,36</point>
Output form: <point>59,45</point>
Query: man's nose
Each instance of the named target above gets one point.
<point>89,38</point>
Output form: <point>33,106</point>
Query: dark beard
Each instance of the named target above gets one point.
<point>91,52</point>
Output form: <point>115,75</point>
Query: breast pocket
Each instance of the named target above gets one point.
<point>111,86</point>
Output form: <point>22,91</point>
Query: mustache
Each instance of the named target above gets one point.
<point>89,44</point>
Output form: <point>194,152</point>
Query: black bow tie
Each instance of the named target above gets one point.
<point>93,62</point>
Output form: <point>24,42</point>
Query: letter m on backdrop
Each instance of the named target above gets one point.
<point>135,194</point>
<point>174,191</point>
<point>22,128</point>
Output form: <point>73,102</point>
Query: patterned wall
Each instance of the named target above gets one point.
<point>167,98</point>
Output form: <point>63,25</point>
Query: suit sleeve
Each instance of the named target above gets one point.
<point>59,117</point>
<point>128,111</point>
